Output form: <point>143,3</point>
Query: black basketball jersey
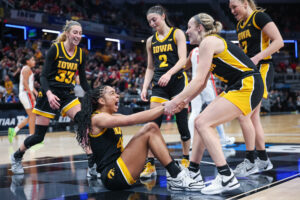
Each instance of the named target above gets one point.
<point>165,54</point>
<point>250,34</point>
<point>107,146</point>
<point>64,67</point>
<point>232,64</point>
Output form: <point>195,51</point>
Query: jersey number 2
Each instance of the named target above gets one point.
<point>164,60</point>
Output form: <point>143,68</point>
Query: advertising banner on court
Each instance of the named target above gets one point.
<point>12,117</point>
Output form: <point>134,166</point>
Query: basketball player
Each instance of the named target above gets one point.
<point>205,97</point>
<point>244,91</point>
<point>120,167</point>
<point>63,59</point>
<point>27,95</point>
<point>166,51</point>
<point>259,38</point>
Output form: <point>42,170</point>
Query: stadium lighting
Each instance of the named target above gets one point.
<point>18,27</point>
<point>50,31</point>
<point>296,46</point>
<point>114,40</point>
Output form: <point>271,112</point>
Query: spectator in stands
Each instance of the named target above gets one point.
<point>8,85</point>
<point>2,97</point>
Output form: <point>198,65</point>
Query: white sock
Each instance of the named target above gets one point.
<point>221,132</point>
<point>17,129</point>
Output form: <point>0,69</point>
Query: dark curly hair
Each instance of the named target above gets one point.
<point>89,104</point>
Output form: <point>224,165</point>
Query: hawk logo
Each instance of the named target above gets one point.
<point>40,94</point>
<point>111,173</point>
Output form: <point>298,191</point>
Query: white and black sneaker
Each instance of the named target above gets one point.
<point>221,184</point>
<point>183,181</point>
<point>263,165</point>
<point>196,176</point>
<point>245,168</point>
<point>16,165</point>
<point>92,172</point>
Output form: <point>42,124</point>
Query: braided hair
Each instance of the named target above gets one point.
<point>89,105</point>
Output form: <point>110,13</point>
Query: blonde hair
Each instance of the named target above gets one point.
<point>253,5</point>
<point>210,25</point>
<point>67,27</point>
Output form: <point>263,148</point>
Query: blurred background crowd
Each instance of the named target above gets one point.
<point>124,67</point>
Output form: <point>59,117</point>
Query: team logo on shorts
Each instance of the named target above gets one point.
<point>111,173</point>
<point>40,94</point>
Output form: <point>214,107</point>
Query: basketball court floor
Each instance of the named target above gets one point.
<point>56,169</point>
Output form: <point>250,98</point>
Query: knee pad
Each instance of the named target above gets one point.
<point>182,124</point>
<point>37,137</point>
<point>158,120</point>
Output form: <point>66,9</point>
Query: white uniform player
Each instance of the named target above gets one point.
<point>25,96</point>
<point>206,96</point>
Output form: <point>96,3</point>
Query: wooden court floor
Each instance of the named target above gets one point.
<point>278,129</point>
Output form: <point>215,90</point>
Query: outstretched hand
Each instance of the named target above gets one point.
<point>171,107</point>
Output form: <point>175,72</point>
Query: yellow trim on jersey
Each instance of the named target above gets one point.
<point>156,35</point>
<point>225,44</point>
<point>186,80</point>
<point>57,51</point>
<point>126,173</point>
<point>242,98</point>
<point>158,99</point>
<point>227,57</point>
<point>264,69</point>
<point>246,22</point>
<point>65,53</point>
<point>174,38</point>
<point>265,43</point>
<point>80,56</point>
<point>44,114</point>
<point>69,106</point>
<point>99,134</point>
<point>254,23</point>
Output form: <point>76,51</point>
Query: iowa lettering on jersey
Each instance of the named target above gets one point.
<point>244,35</point>
<point>67,65</point>
<point>162,48</point>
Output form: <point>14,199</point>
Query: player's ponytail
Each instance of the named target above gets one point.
<point>210,25</point>
<point>89,105</point>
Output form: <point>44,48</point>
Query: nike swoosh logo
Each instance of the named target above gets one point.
<point>227,182</point>
<point>247,170</point>
<point>196,176</point>
<point>154,42</point>
<point>266,166</point>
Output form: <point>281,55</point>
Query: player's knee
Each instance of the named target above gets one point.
<point>33,140</point>
<point>152,128</point>
<point>182,123</point>
<point>200,124</point>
